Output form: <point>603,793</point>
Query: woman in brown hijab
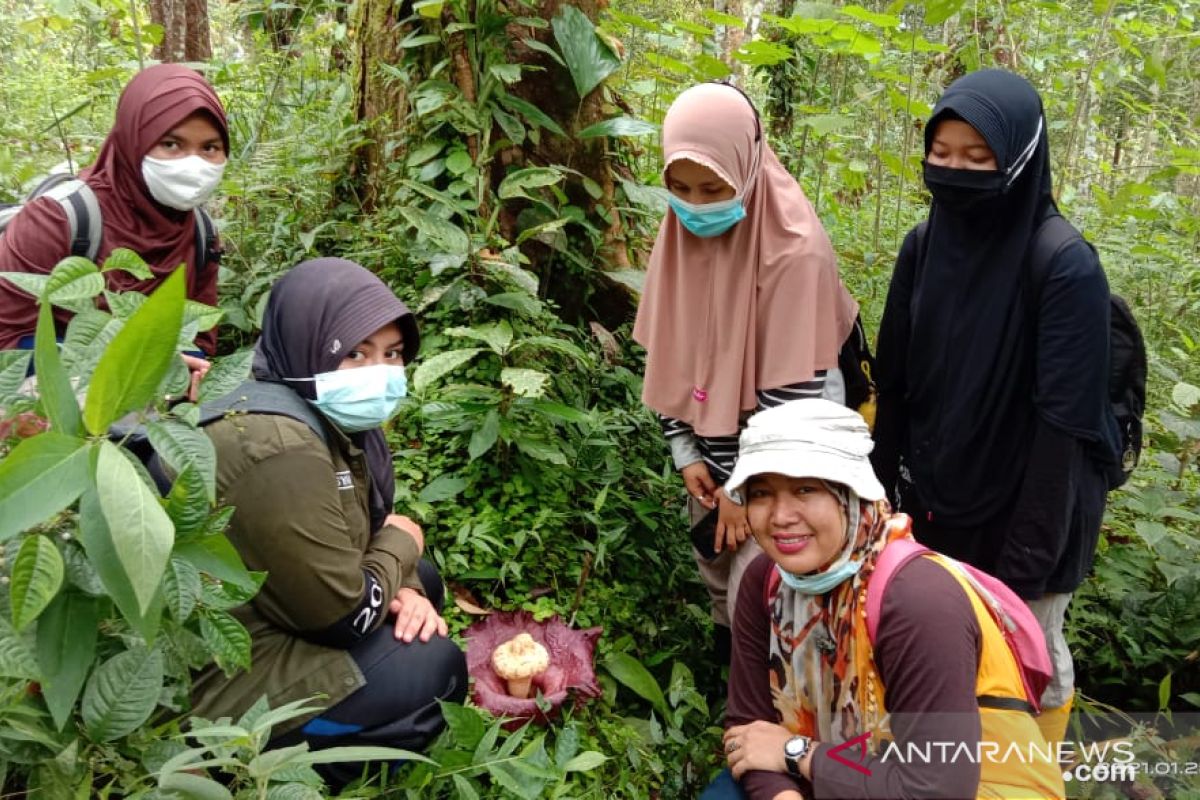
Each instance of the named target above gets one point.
<point>743,309</point>
<point>162,159</point>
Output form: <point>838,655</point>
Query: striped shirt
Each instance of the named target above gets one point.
<point>720,452</point>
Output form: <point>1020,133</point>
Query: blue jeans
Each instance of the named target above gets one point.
<point>723,787</point>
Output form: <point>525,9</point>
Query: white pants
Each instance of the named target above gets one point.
<point>1051,612</point>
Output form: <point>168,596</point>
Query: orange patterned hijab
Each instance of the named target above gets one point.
<point>823,678</point>
<point>758,307</point>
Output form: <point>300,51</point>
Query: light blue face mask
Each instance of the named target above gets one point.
<point>709,219</point>
<point>360,398</point>
<point>822,582</point>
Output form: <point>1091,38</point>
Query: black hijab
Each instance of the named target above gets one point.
<point>316,313</point>
<point>970,369</point>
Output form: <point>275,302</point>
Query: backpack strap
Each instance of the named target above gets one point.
<point>262,397</point>
<point>79,203</point>
<point>206,241</point>
<point>1052,235</point>
<point>895,555</point>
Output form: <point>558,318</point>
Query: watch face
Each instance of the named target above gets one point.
<point>796,746</point>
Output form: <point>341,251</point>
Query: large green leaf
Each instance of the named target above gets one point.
<point>182,446</point>
<point>14,366</point>
<point>518,182</point>
<point>31,282</point>
<point>37,575</point>
<point>443,487</point>
<point>431,369</point>
<point>188,504</point>
<point>442,233</point>
<point>53,385</point>
<point>141,531</point>
<point>629,671</point>
<point>226,375</point>
<point>134,363</point>
<point>74,283</point>
<point>531,112</point>
<point>589,60</point>
<point>97,542</point>
<point>524,382</point>
<point>498,336</point>
<point>618,126</point>
<point>227,640</point>
<point>39,478</point>
<point>485,435</point>
<point>127,260</point>
<point>122,693</point>
<point>66,644</point>
<point>182,587</point>
<point>762,53</point>
<point>193,787</point>
<point>216,556</point>
<point>938,11</point>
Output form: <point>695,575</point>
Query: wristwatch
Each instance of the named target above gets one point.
<point>795,749</point>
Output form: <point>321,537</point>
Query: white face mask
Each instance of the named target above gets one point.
<point>181,183</point>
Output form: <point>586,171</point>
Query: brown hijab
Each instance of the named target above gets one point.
<point>156,100</point>
<point>758,307</point>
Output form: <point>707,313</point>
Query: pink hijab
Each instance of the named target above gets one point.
<point>758,307</point>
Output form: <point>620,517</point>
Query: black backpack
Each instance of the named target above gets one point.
<point>1127,348</point>
<point>251,397</point>
<point>79,203</point>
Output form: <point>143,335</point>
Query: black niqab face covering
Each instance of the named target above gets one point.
<point>970,360</point>
<point>317,313</point>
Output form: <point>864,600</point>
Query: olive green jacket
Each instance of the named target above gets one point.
<point>301,516</point>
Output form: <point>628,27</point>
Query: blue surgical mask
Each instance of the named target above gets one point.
<point>360,398</point>
<point>709,219</point>
<point>822,582</point>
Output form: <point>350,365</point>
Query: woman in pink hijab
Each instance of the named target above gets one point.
<point>742,310</point>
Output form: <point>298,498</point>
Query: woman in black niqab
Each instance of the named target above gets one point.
<point>994,424</point>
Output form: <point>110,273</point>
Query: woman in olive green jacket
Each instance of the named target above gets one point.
<point>349,611</point>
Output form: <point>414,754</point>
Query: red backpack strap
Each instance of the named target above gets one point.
<point>895,555</point>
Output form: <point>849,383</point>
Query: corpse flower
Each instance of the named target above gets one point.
<point>570,669</point>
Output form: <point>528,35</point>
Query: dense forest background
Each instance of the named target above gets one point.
<point>497,162</point>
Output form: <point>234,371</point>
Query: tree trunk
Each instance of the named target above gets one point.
<point>185,28</point>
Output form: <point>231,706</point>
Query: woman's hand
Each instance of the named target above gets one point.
<point>733,524</point>
<point>758,745</point>
<point>198,367</point>
<point>700,484</point>
<point>415,616</point>
<point>408,526</point>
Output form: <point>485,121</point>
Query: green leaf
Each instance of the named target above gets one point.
<point>485,435</point>
<point>516,301</point>
<point>141,531</point>
<point>762,53</point>
<point>193,787</point>
<point>532,112</point>
<point>719,18</point>
<point>938,11</point>
<point>498,336</point>
<point>431,369</point>
<point>585,762</point>
<point>188,503</point>
<point>463,788</point>
<point>182,588</point>
<point>40,477</point>
<point>66,645</point>
<point>182,446</point>
<point>443,487</point>
<point>823,124</point>
<point>14,365</point>
<point>512,127</point>
<point>216,556</point>
<point>134,363</point>
<point>58,398</point>
<point>96,539</point>
<point>16,654</point>
<point>524,382</point>
<point>440,232</point>
<point>1184,395</point>
<point>552,343</point>
<point>506,73</point>
<point>122,693</point>
<point>127,260</point>
<point>37,575</point>
<point>423,153</point>
<point>465,724</point>
<point>629,671</point>
<point>519,182</point>
<point>588,59</point>
<point>291,791</point>
<point>618,126</point>
<point>534,44</point>
<point>227,639</point>
<point>226,374</point>
<point>30,282</point>
<point>542,451</point>
<point>459,162</point>
<point>74,282</point>
<point>342,755</point>
<point>870,17</point>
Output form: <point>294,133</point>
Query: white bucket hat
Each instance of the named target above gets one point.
<point>807,439</point>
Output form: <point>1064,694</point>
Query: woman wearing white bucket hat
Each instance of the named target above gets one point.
<point>828,677</point>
